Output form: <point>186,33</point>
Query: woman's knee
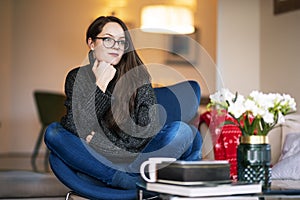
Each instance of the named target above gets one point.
<point>183,131</point>
<point>177,130</point>
<point>51,133</point>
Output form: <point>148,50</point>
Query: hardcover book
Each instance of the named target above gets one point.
<point>214,198</point>
<point>203,191</point>
<point>194,172</point>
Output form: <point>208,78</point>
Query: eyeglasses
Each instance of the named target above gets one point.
<point>109,42</point>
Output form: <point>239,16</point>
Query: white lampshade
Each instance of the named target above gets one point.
<point>167,19</point>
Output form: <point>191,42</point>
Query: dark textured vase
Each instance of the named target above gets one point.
<point>254,160</point>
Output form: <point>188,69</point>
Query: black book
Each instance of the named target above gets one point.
<point>194,172</point>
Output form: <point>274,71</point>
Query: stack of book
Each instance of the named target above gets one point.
<point>198,179</point>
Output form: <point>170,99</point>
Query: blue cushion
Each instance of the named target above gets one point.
<point>180,101</point>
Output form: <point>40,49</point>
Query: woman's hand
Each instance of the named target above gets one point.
<point>104,73</point>
<point>89,137</point>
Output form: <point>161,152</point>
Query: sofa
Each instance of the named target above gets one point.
<point>285,148</point>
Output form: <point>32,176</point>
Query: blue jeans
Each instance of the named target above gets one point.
<point>70,154</point>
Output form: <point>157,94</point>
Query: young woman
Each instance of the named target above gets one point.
<point>111,125</point>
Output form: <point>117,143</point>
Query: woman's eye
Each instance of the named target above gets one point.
<point>122,42</point>
<point>108,39</point>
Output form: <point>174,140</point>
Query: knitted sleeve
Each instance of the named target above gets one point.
<point>85,102</point>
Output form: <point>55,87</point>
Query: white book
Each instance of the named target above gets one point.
<point>202,191</point>
<point>216,198</point>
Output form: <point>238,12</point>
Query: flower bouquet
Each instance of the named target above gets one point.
<point>255,114</point>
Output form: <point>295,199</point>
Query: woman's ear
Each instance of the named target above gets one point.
<point>91,43</point>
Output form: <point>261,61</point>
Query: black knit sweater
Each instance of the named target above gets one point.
<point>87,106</point>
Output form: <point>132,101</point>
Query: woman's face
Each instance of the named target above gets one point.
<point>105,48</point>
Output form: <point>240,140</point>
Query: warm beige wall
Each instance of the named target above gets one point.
<point>207,24</point>
<point>44,40</point>
<point>256,49</point>
<point>280,51</point>
<point>5,73</point>
<point>48,39</point>
<point>40,42</point>
<point>238,40</point>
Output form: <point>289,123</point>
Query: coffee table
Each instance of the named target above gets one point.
<point>280,190</point>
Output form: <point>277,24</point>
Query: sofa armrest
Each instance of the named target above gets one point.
<point>207,144</point>
<point>275,137</point>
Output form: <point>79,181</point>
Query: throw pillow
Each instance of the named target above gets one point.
<point>288,165</point>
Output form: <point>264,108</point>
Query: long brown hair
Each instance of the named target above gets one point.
<point>129,60</point>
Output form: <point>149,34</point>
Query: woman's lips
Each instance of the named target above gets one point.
<point>114,54</point>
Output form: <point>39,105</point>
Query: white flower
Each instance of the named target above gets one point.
<point>281,118</point>
<point>289,102</point>
<point>237,108</point>
<point>268,117</point>
<point>264,101</point>
<point>222,96</point>
<point>251,106</point>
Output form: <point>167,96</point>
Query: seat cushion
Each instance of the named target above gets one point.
<point>17,183</point>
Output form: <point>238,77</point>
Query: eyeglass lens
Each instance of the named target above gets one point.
<point>110,42</point>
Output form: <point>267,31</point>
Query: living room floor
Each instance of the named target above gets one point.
<point>18,161</point>
<point>23,162</point>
